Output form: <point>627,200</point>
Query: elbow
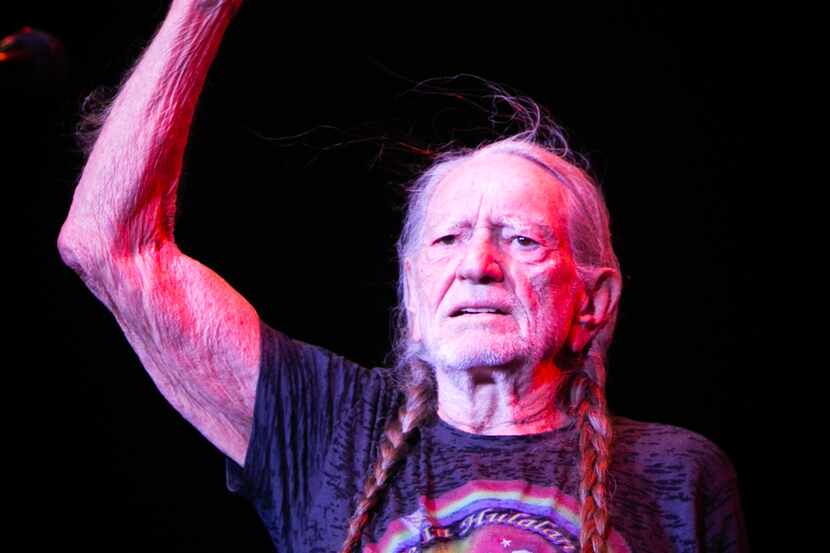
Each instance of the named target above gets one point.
<point>71,256</point>
<point>83,263</point>
<point>73,250</point>
<point>66,250</point>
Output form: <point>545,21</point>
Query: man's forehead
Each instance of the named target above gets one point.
<point>503,188</point>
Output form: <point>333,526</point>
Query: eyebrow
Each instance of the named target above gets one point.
<point>504,221</point>
<point>546,230</point>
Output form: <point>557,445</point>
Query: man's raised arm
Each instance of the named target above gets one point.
<point>195,335</point>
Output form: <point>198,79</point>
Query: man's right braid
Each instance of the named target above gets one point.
<point>419,402</point>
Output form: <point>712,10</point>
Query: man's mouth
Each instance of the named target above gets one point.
<point>477,311</point>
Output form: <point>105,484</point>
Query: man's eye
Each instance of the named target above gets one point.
<point>446,240</point>
<point>525,242</point>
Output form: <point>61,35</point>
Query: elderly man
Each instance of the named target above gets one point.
<point>491,431</point>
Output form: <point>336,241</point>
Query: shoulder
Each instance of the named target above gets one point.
<point>685,477</point>
<point>280,349</point>
<point>656,446</point>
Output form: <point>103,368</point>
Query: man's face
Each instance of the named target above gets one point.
<point>493,282</point>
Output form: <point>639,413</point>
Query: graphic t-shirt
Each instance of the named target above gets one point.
<point>317,424</point>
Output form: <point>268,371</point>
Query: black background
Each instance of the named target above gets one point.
<point>667,104</point>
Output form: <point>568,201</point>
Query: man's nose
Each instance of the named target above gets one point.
<point>481,263</point>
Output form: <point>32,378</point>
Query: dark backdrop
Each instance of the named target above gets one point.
<point>664,103</point>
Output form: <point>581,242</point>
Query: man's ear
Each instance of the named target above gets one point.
<point>410,300</point>
<point>597,303</point>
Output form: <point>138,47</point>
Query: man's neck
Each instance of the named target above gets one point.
<point>499,402</point>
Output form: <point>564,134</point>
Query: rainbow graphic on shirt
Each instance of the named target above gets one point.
<point>489,516</point>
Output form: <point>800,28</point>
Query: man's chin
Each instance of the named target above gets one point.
<point>464,357</point>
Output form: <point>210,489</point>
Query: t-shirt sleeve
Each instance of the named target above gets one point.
<point>303,392</point>
<point>675,490</point>
<point>722,516</point>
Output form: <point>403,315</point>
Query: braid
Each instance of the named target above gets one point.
<point>419,403</point>
<point>595,441</point>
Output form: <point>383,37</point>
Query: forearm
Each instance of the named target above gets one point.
<point>126,197</point>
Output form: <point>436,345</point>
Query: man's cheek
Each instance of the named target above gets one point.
<point>552,281</point>
<point>436,256</point>
<point>543,285</point>
<point>428,274</point>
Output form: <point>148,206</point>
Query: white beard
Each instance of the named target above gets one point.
<point>461,356</point>
<point>460,352</point>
